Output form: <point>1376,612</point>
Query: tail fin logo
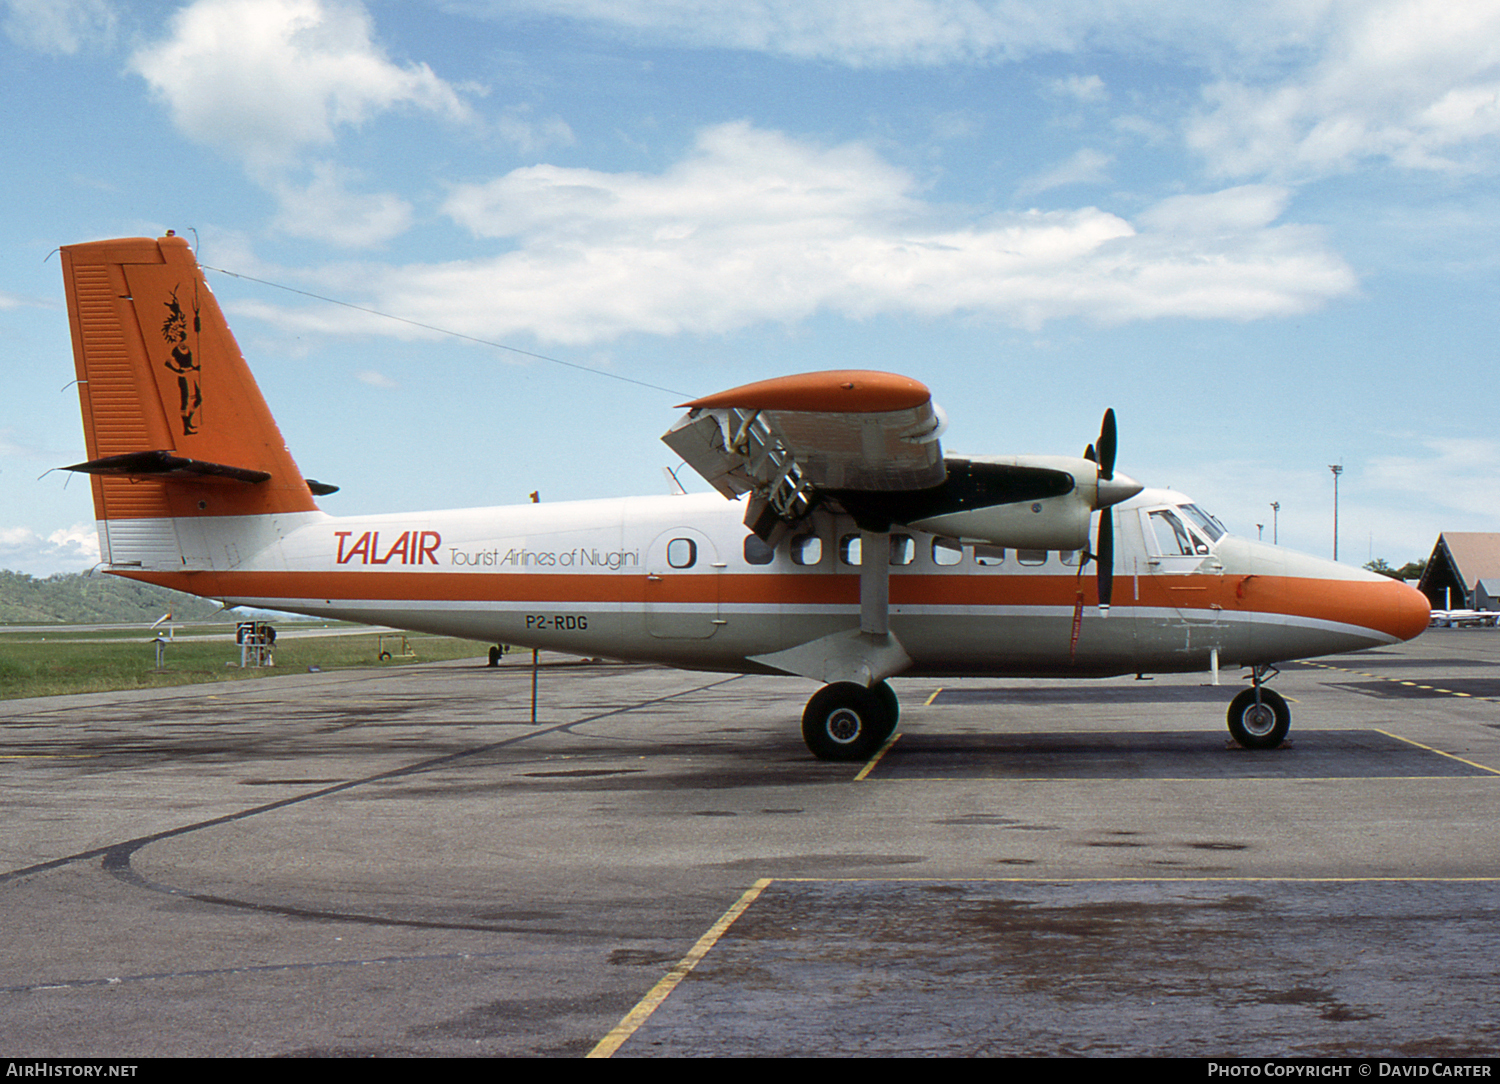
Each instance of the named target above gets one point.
<point>174,330</point>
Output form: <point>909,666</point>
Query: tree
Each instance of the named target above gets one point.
<point>1412,570</point>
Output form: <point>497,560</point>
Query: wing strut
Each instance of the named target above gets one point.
<point>866,655</point>
<point>875,583</point>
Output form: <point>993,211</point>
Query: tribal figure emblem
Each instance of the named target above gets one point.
<point>182,362</point>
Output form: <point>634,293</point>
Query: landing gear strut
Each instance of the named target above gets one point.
<point>1258,717</point>
<point>846,721</point>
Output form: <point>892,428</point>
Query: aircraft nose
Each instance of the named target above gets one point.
<point>1410,610</point>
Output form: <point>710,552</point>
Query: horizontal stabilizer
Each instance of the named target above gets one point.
<point>168,467</point>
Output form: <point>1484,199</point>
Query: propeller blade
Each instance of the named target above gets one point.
<point>1104,554</point>
<point>1106,446</point>
<point>1088,453</point>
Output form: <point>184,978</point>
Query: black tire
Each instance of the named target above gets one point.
<point>891,703</point>
<point>494,655</point>
<point>845,721</point>
<point>1261,726</point>
<point>385,656</point>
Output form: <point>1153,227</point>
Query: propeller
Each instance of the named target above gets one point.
<point>1102,452</point>
<point>1106,445</point>
<point>1104,547</point>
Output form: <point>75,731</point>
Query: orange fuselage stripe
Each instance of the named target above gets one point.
<point>1353,602</point>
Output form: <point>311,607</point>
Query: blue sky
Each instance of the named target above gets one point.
<point>1267,238</point>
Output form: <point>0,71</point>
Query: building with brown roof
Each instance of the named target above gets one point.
<point>1463,572</point>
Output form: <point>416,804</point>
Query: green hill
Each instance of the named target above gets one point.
<point>79,599</point>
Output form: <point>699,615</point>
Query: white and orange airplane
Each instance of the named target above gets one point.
<point>851,549</point>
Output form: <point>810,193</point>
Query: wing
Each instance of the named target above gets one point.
<point>868,443</point>
<point>787,440</point>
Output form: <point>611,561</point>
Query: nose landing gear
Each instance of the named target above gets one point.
<point>1258,717</point>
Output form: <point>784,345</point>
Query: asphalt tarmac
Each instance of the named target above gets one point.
<point>397,862</point>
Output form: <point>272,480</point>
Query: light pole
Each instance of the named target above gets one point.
<point>1275,520</point>
<point>1338,469</point>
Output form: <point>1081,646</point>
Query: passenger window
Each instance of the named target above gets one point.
<point>757,552</point>
<point>946,552</point>
<point>903,549</point>
<point>1032,558</point>
<point>682,553</point>
<point>988,556</point>
<point>807,549</point>
<point>849,549</point>
<point>1068,557</point>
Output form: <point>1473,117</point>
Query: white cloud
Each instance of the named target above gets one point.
<point>754,227</point>
<point>266,78</point>
<point>1416,82</point>
<point>1086,166</point>
<point>325,210</point>
<point>375,379</point>
<point>71,549</point>
<point>929,32</point>
<point>1088,89</point>
<point>531,134</point>
<point>1458,474</point>
<point>59,26</point>
<point>1307,87</point>
<point>1234,210</point>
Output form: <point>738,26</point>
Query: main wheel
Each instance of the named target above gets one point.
<point>494,654</point>
<point>892,705</point>
<point>845,721</point>
<point>1259,726</point>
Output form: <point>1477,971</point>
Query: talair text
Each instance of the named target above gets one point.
<point>412,548</point>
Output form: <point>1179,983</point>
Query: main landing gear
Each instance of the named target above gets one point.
<point>1258,717</point>
<point>846,721</point>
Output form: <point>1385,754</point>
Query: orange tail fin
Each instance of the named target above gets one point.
<point>175,425</point>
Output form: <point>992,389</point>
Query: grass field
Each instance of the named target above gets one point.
<point>39,664</point>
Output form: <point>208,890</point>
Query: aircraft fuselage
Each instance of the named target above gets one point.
<point>680,581</point>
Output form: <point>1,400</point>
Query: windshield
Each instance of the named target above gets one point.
<point>1203,521</point>
<point>1173,537</point>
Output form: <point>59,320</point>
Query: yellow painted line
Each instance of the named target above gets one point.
<point>870,764</point>
<point>1439,752</point>
<point>1400,681</point>
<point>933,697</point>
<point>1137,880</point>
<point>652,1001</point>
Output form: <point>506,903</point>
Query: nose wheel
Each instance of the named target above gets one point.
<point>846,721</point>
<point>1259,718</point>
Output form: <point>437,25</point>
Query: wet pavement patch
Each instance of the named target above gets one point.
<point>1173,967</point>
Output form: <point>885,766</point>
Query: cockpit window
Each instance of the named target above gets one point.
<point>1204,522</point>
<point>1173,536</point>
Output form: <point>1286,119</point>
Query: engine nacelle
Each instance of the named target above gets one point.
<point>1054,523</point>
<point>1022,502</point>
